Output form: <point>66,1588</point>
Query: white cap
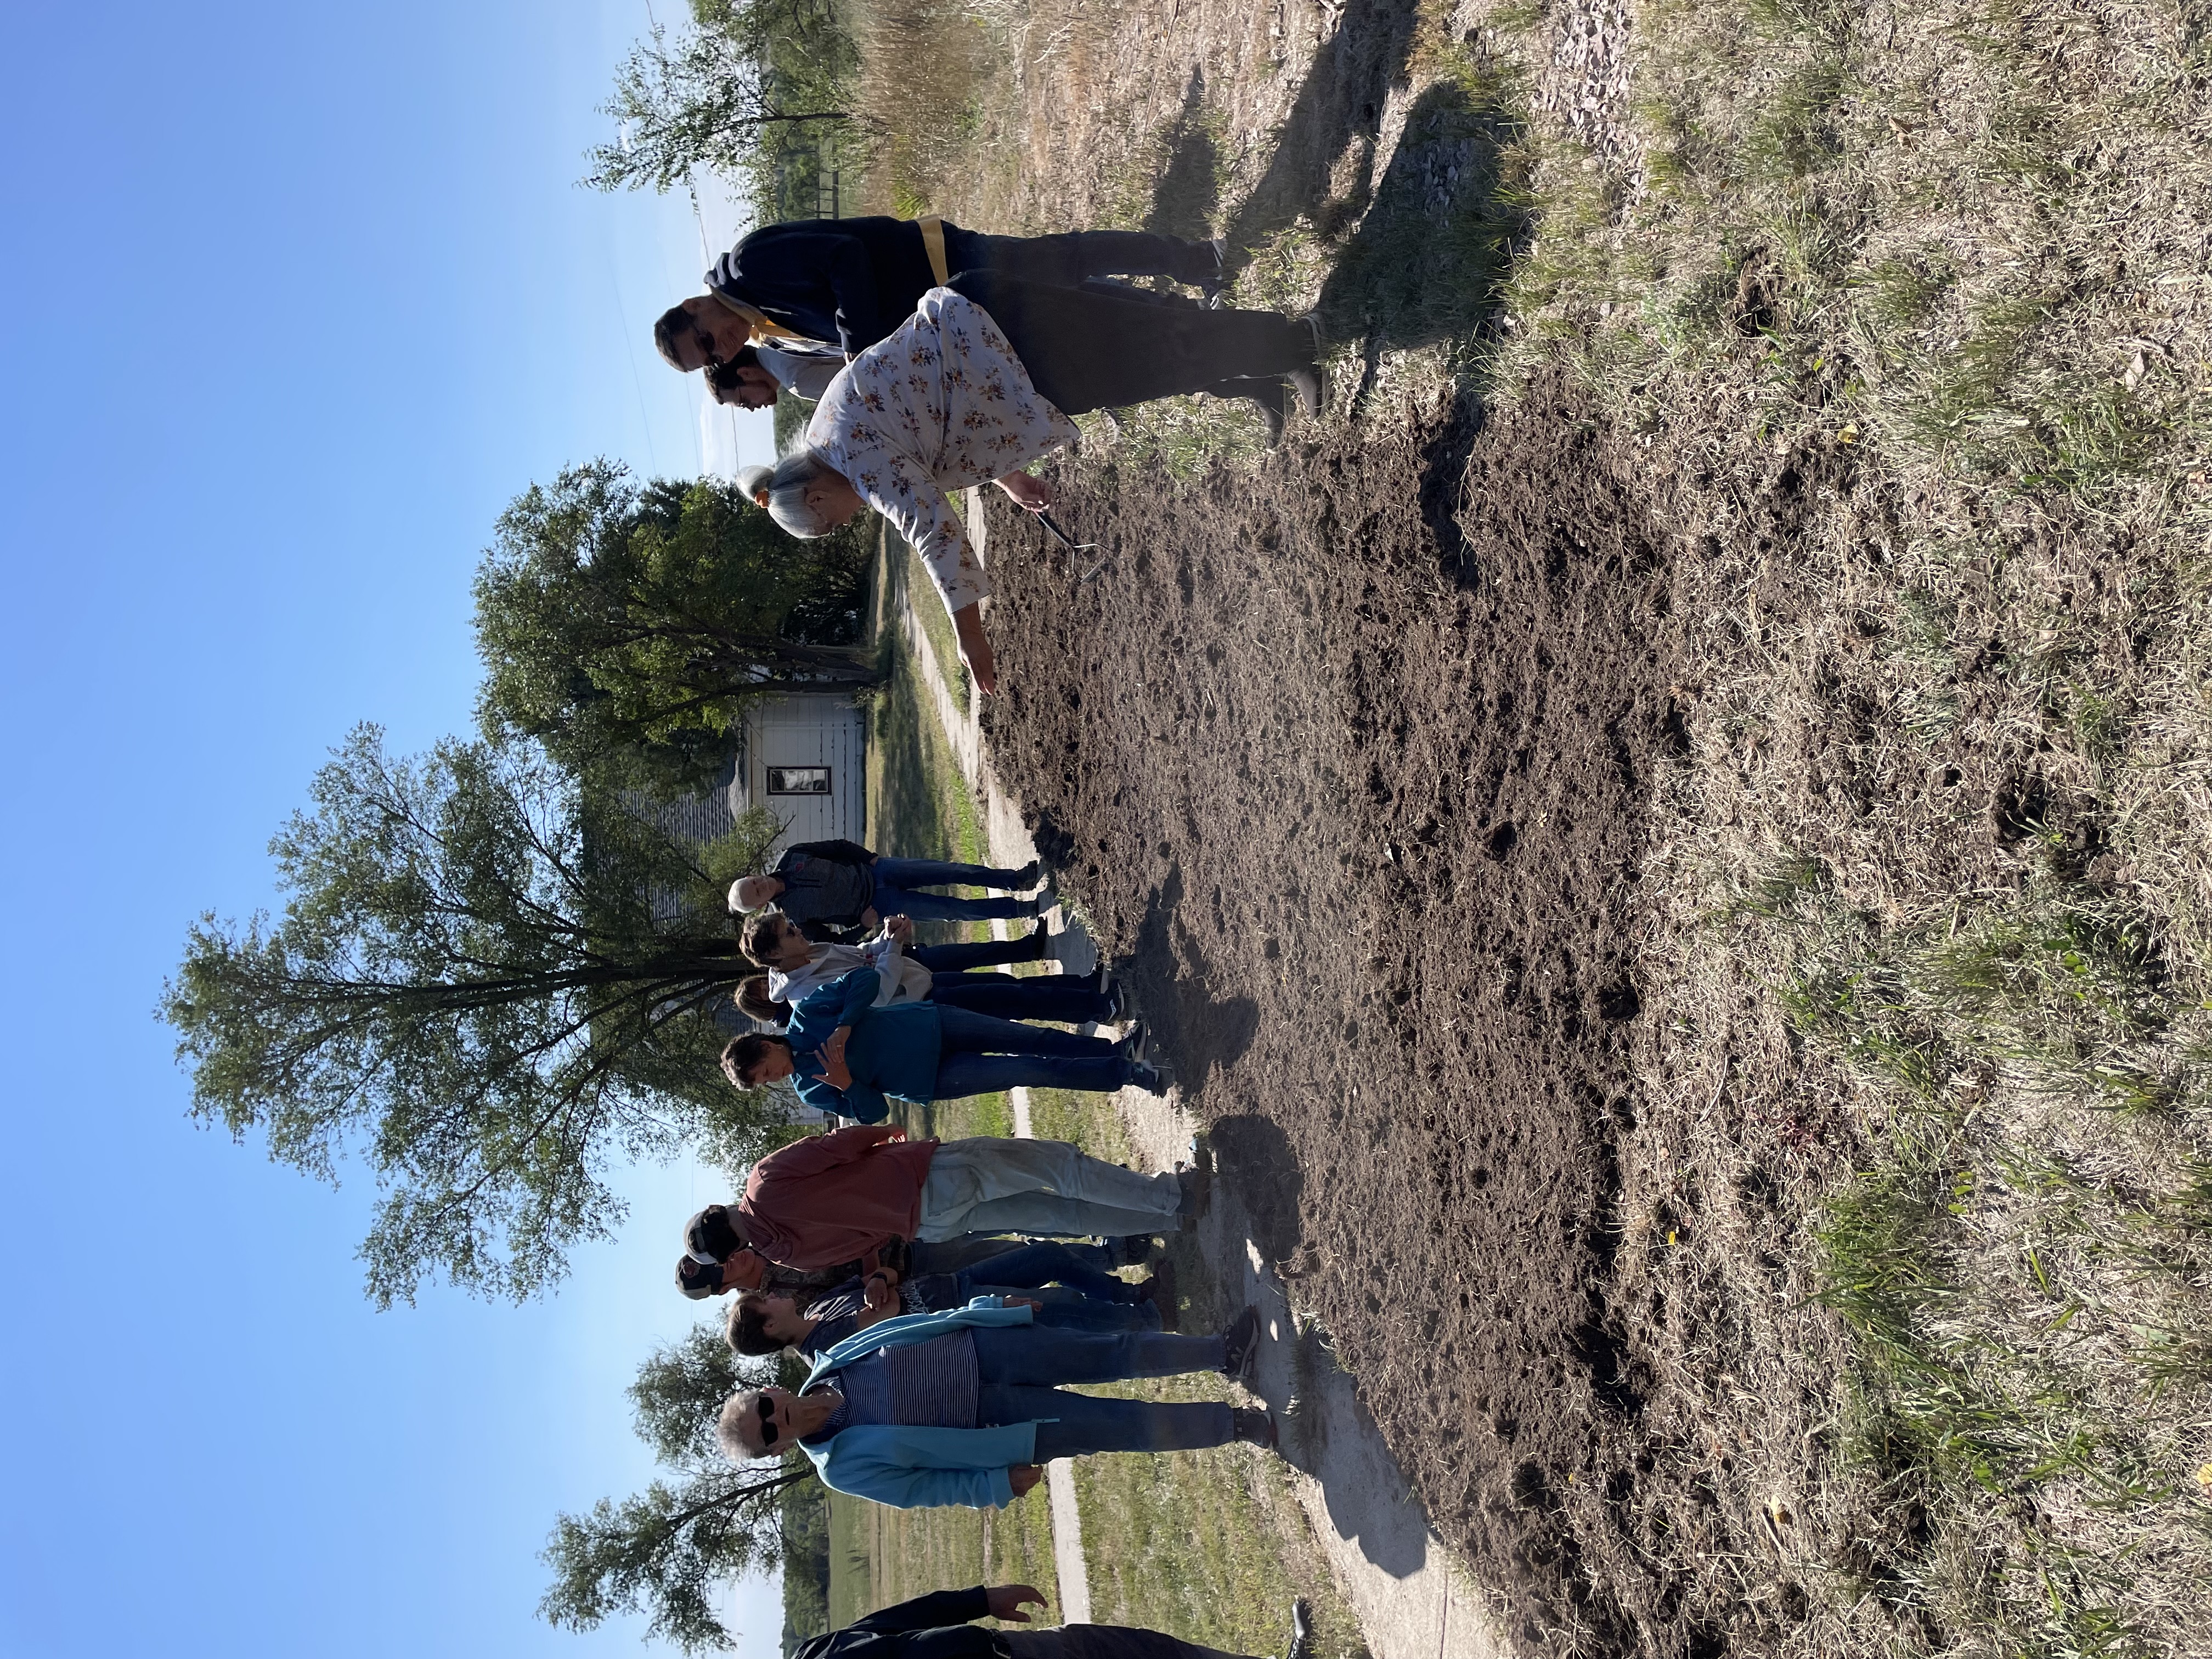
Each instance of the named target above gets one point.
<point>738,907</point>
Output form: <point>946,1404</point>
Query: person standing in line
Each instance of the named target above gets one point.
<point>908,973</point>
<point>842,885</point>
<point>961,1408</point>
<point>849,1058</point>
<point>717,1259</point>
<point>760,1322</point>
<point>832,1198</point>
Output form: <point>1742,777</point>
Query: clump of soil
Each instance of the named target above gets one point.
<point>1349,758</point>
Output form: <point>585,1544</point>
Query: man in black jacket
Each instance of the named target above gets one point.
<point>937,1627</point>
<point>834,886</point>
<point>851,282</point>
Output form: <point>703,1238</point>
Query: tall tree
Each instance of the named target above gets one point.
<point>489,979</point>
<point>724,92</point>
<point>627,625</point>
<point>662,1552</point>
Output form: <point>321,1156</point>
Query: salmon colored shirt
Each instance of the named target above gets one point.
<point>831,1198</point>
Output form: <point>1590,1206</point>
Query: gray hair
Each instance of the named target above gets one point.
<point>746,1403</point>
<point>754,479</point>
<point>794,475</point>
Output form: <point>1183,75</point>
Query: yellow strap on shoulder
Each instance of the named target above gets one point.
<point>932,244</point>
<point>763,327</point>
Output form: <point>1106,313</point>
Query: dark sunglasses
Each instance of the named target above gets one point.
<point>711,358</point>
<point>769,1430</point>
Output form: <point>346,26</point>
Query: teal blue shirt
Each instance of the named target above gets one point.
<point>912,1468</point>
<point>892,1050</point>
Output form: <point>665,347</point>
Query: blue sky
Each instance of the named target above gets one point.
<point>292,300</point>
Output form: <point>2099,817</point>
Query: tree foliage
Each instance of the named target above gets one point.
<point>489,978</point>
<point>627,626</point>
<point>727,94</point>
<point>662,1551</point>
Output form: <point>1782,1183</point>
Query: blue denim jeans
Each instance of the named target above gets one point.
<point>897,879</point>
<point>1066,1309</point>
<point>1032,1356</point>
<point>1028,1266</point>
<point>1077,1424</point>
<point>966,1251</point>
<point>981,1056</point>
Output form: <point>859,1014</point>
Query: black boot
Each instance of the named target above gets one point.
<point>1240,1346</point>
<point>1254,1426</point>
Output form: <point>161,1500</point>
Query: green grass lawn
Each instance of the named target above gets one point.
<point>920,807</point>
<point>879,1556</point>
<point>1208,1545</point>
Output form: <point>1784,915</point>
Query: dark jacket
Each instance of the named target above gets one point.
<point>826,885</point>
<point>928,1627</point>
<point>848,280</point>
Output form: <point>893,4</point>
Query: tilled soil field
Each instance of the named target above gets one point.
<point>1351,759</point>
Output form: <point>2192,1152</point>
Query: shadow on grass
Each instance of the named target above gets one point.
<point>1428,260</point>
<point>1339,105</point>
<point>1189,169</point>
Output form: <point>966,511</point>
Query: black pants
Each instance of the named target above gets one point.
<point>1101,1641</point>
<point>1084,350</point>
<point>1067,258</point>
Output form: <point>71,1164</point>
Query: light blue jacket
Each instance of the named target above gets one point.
<point>912,1468</point>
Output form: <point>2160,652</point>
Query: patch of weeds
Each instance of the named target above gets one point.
<point>1774,891</point>
<point>1284,271</point>
<point>1795,134</point>
<point>1431,253</point>
<point>1183,436</point>
<point>2025,1263</point>
<point>1898,296</point>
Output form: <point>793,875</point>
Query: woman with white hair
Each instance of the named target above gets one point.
<point>980,381</point>
<point>963,1407</point>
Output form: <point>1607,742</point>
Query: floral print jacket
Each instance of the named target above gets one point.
<point>940,404</point>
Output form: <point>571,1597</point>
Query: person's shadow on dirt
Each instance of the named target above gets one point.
<point>1258,1184</point>
<point>1194,1031</point>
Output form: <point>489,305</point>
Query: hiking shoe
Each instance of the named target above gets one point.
<point>1240,1346</point>
<point>1117,997</point>
<point>1136,1047</point>
<point>1160,1291</point>
<point>1026,876</point>
<point>1148,1079</point>
<point>1301,1645</point>
<point>1197,1190</point>
<point>1131,1250</point>
<point>1309,387</point>
<point>1253,1426</point>
<point>1274,404</point>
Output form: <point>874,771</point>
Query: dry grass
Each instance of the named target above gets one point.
<point>1931,888</point>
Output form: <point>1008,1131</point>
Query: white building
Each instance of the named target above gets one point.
<point>805,758</point>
